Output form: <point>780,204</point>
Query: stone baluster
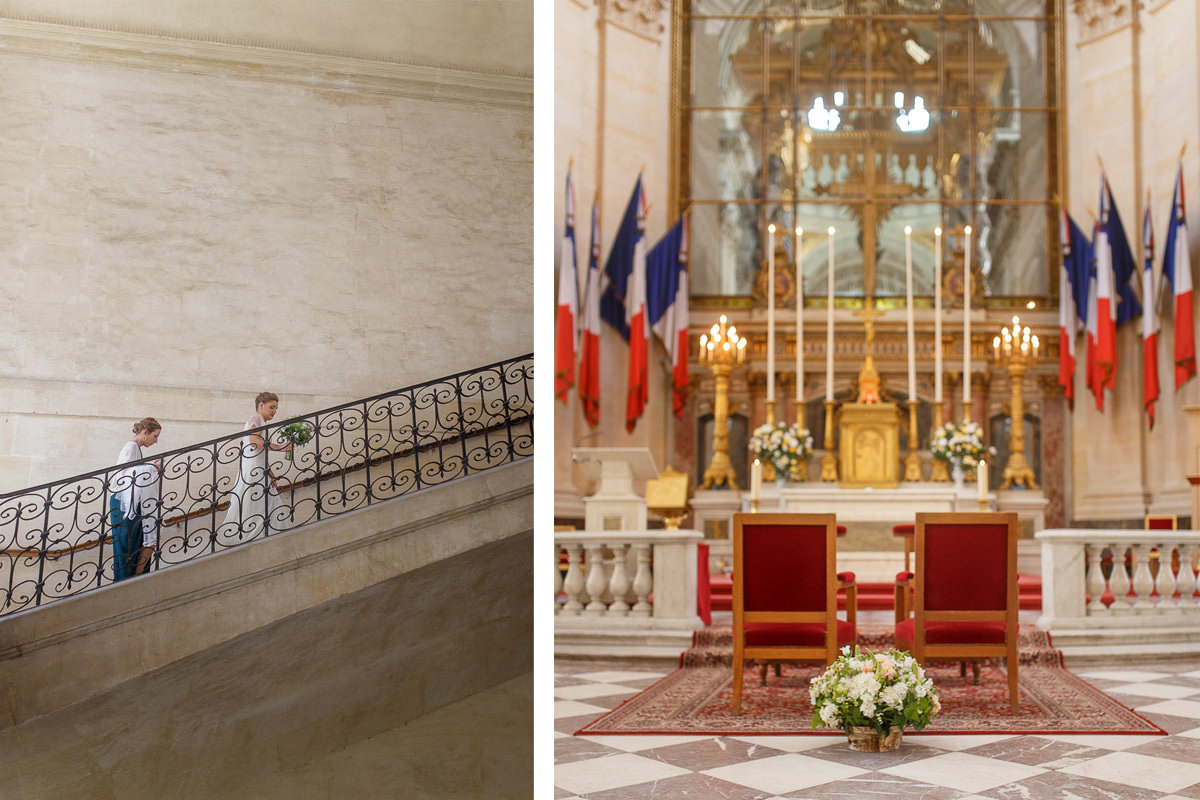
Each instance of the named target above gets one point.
<point>573,585</point>
<point>597,582</point>
<point>1166,580</point>
<point>1186,582</point>
<point>1095,579</point>
<point>1118,581</point>
<point>643,581</point>
<point>618,584</point>
<point>558,576</point>
<point>1143,581</point>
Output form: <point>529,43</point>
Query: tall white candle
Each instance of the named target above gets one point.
<point>981,472</point>
<point>966,381</point>
<point>799,320</point>
<point>937,316</point>
<point>829,327</point>
<point>908,293</point>
<point>756,480</point>
<point>771,313</point>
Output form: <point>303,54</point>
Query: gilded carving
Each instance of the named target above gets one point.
<point>643,17</point>
<point>1098,17</point>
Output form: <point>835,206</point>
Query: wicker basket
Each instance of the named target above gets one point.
<point>868,740</point>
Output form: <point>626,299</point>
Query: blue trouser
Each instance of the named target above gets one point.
<point>127,540</point>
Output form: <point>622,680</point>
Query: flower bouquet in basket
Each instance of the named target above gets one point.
<point>873,697</point>
<point>786,448</point>
<point>296,432</point>
<point>960,444</point>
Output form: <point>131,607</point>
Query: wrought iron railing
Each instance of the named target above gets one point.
<point>56,540</point>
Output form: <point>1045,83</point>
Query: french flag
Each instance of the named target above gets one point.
<point>667,303</point>
<point>1109,233</point>
<point>1149,321</point>
<point>1072,298</point>
<point>589,361</point>
<point>1177,269</point>
<point>623,304</point>
<point>568,304</point>
<point>1092,372</point>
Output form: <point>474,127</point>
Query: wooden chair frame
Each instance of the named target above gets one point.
<point>826,653</point>
<point>922,650</point>
<point>902,597</point>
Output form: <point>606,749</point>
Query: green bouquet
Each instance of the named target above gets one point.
<point>297,433</point>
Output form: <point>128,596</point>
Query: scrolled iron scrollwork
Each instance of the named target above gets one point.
<point>56,539</point>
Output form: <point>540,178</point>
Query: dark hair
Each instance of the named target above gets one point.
<point>265,397</point>
<point>147,424</point>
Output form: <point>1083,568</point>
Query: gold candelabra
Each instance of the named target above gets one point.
<point>1016,350</point>
<point>721,349</point>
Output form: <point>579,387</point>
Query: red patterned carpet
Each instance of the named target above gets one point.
<point>695,699</point>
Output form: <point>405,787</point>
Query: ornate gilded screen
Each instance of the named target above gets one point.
<point>867,116</point>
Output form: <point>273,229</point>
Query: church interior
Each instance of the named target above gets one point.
<point>906,225</point>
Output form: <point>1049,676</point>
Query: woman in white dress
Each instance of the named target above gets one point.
<point>254,503</point>
<point>133,504</point>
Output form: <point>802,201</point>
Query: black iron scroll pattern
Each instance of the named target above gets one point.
<point>56,540</point>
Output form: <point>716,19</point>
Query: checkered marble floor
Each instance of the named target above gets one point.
<point>1093,767</point>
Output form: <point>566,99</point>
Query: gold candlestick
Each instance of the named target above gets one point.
<point>829,460</point>
<point>912,464</point>
<point>1016,350</point>
<point>721,348</point>
<point>938,472</point>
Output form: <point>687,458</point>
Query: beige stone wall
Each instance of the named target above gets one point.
<point>1133,99</point>
<point>187,226</point>
<point>612,117</point>
<point>478,34</point>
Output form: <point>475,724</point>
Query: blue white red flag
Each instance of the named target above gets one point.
<point>566,335</point>
<point>667,303</point>
<point>589,362</point>
<point>1177,269</point>
<point>1072,299</point>
<point>624,301</point>
<point>1116,300</point>
<point>1149,321</point>
<point>614,281</point>
<point>1124,265</point>
<point>1094,376</point>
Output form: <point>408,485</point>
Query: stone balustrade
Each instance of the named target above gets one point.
<point>627,592</point>
<point>1111,587</point>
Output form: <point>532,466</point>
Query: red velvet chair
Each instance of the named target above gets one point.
<point>785,586</point>
<point>965,598</point>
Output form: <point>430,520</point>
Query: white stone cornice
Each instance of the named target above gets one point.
<point>641,17</point>
<point>315,70</point>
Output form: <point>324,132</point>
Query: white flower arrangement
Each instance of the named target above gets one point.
<point>960,443</point>
<point>784,447</point>
<point>878,690</point>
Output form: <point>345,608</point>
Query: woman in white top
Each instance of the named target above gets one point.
<point>133,505</point>
<point>254,503</point>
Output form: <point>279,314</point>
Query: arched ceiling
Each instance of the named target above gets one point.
<point>479,35</point>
